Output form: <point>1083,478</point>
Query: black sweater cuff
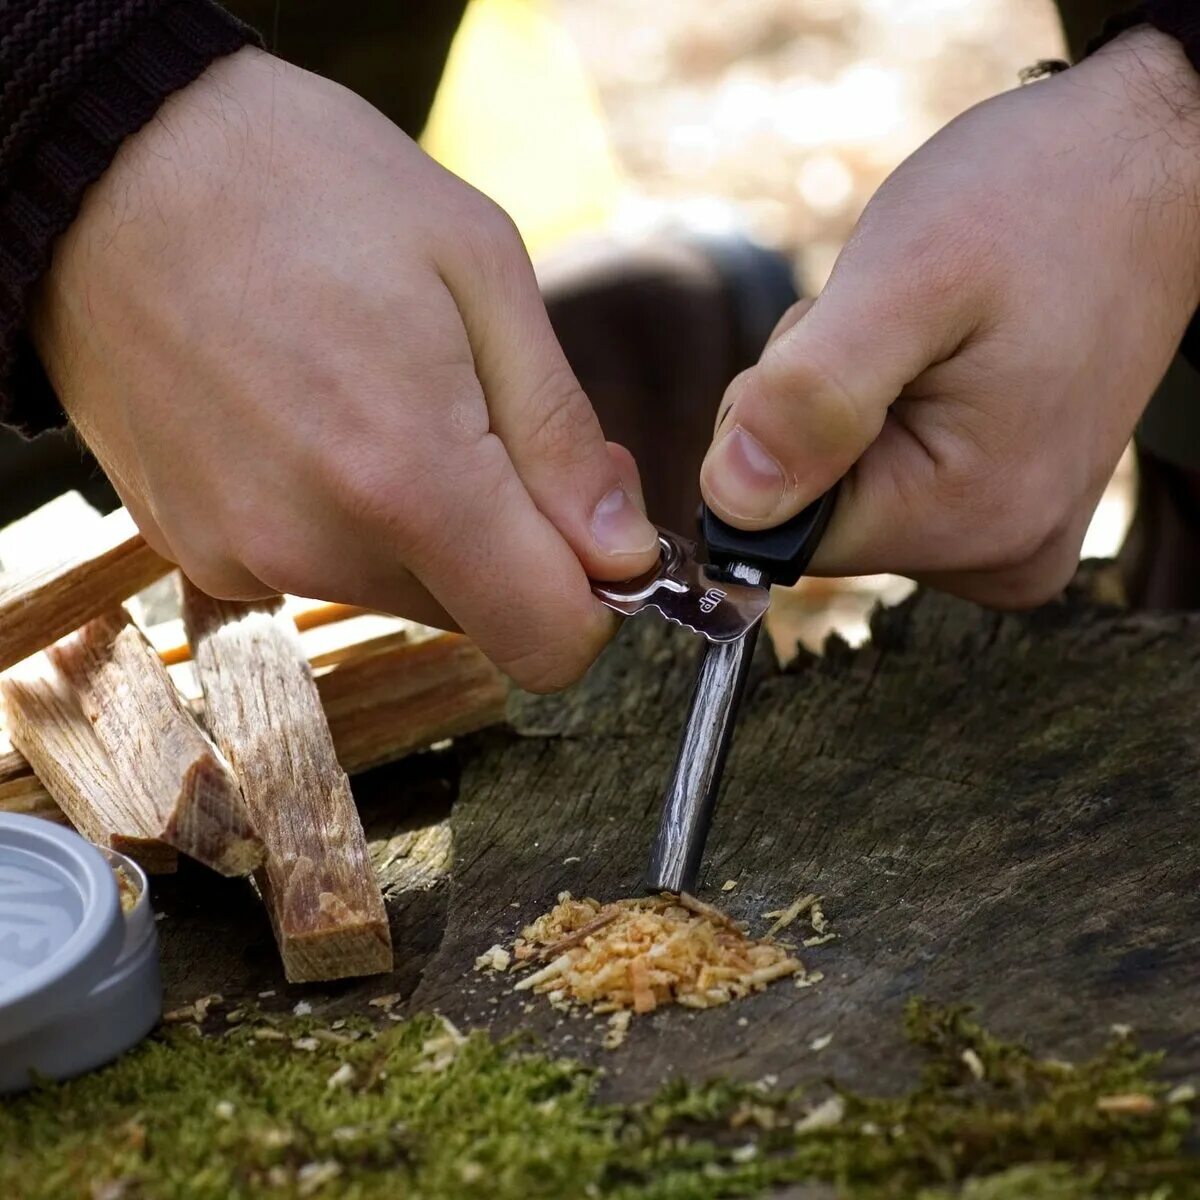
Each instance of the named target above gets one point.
<point>95,75</point>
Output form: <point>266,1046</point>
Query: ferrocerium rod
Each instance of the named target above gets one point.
<point>691,794</point>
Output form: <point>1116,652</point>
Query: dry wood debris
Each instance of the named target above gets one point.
<point>637,955</point>
<point>184,790</point>
<point>46,604</point>
<point>264,712</point>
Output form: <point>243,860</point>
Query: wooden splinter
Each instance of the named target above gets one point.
<point>47,604</point>
<point>48,726</point>
<point>262,706</point>
<point>184,790</point>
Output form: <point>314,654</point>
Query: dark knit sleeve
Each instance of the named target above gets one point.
<point>1181,20</point>
<point>78,77</point>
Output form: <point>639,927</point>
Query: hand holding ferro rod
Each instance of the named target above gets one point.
<point>724,600</point>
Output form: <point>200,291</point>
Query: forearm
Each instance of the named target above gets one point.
<point>79,77</point>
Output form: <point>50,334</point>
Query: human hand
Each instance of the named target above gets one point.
<point>988,338</point>
<point>313,361</point>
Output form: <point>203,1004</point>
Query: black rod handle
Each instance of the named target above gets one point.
<point>783,552</point>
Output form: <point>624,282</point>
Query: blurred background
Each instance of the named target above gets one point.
<point>779,117</point>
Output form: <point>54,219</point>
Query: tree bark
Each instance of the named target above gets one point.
<point>998,809</point>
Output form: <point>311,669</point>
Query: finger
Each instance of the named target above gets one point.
<point>204,556</point>
<point>148,527</point>
<point>626,468</point>
<point>982,530</point>
<point>1029,583</point>
<point>789,318</point>
<point>224,579</point>
<point>799,419</point>
<point>363,579</point>
<point>541,414</point>
<point>505,575</point>
<point>424,482</point>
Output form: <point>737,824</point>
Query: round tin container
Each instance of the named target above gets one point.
<point>79,980</point>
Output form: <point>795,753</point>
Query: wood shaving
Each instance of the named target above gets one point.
<point>127,891</point>
<point>196,1011</point>
<point>1128,1104</point>
<point>826,1115</point>
<point>342,1077</point>
<point>729,885</point>
<point>783,917</point>
<point>692,904</point>
<point>494,958</point>
<point>638,955</point>
<point>387,1003</point>
<point>439,1052</point>
<point>580,935</point>
<point>312,1177</point>
<point>819,1043</point>
<point>618,1027</point>
<point>820,940</point>
<point>973,1063</point>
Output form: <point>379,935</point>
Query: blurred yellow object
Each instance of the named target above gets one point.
<point>516,117</point>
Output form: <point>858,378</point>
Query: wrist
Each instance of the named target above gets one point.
<point>1143,96</point>
<point>1148,73</point>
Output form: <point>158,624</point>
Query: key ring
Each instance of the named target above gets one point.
<point>685,591</point>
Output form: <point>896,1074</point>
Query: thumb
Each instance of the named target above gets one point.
<point>793,425</point>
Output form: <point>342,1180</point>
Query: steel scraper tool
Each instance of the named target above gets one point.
<point>724,599</point>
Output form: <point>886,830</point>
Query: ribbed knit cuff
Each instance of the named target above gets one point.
<point>67,150</point>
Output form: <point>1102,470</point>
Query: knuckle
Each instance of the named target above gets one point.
<point>554,663</point>
<point>373,496</point>
<point>270,557</point>
<point>835,420</point>
<point>563,427</point>
<point>1013,515</point>
<point>221,580</point>
<point>493,240</point>
<point>1031,588</point>
<point>545,671</point>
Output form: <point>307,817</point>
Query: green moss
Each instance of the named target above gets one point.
<point>411,1111</point>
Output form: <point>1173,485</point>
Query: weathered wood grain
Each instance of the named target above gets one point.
<point>381,705</point>
<point>20,790</point>
<point>164,762</point>
<point>262,707</point>
<point>47,604</point>
<point>169,638</point>
<point>46,723</point>
<point>999,810</point>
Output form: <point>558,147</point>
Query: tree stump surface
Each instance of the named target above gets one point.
<point>999,810</point>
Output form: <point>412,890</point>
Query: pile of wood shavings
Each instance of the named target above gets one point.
<point>633,956</point>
